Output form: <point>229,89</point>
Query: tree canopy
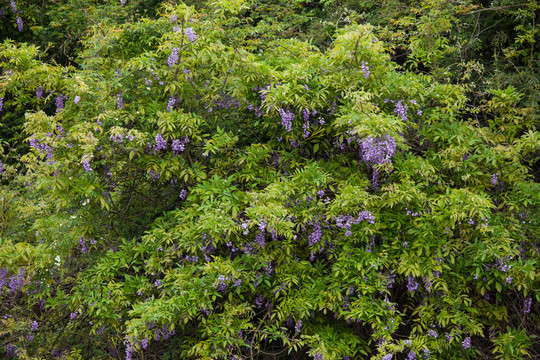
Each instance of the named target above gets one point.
<point>269,179</point>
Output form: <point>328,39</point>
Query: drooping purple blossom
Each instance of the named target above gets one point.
<point>183,194</point>
<point>346,221</point>
<point>466,343</point>
<point>170,103</point>
<point>494,179</point>
<point>222,285</point>
<point>365,69</point>
<point>173,58</point>
<point>401,110</point>
<point>260,240</point>
<point>173,18</point>
<point>161,144</point>
<point>60,103</point>
<point>191,35</point>
<point>377,150</point>
<point>3,278</point>
<point>119,101</point>
<point>16,283</point>
<point>286,119</point>
<point>316,234</point>
<point>86,164</point>
<point>117,138</point>
<point>130,349</point>
<point>34,325</point>
<point>13,6</point>
<point>179,145</point>
<point>412,285</point>
<point>77,99</point>
<point>20,23</point>
<point>298,326</point>
<point>412,355</point>
<point>526,305</point>
<point>11,351</point>
<point>83,245</point>
<point>73,315</point>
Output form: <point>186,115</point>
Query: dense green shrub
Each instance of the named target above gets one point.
<point>198,188</point>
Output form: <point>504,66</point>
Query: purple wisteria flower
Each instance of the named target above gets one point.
<point>467,343</point>
<point>13,6</point>
<point>173,18</point>
<point>526,305</point>
<point>16,283</point>
<point>183,194</point>
<point>377,150</point>
<point>34,325</point>
<point>286,119</point>
<point>161,144</point>
<point>173,58</point>
<point>59,102</point>
<point>119,101</point>
<point>412,355</point>
<point>298,326</point>
<point>3,278</point>
<point>387,357</point>
<point>494,179</point>
<point>412,285</point>
<point>365,69</point>
<point>73,315</point>
<point>83,244</point>
<point>11,351</point>
<point>316,234</point>
<point>179,145</point>
<point>222,285</point>
<point>170,103</point>
<point>401,110</point>
<point>20,23</point>
<point>86,164</point>
<point>77,99</point>
<point>191,35</point>
<point>346,221</point>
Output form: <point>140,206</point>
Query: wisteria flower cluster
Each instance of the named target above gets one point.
<point>346,221</point>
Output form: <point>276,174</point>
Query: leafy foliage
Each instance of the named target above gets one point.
<point>207,182</point>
